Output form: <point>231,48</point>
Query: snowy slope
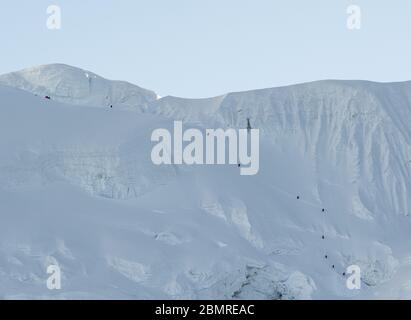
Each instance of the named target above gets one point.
<point>71,85</point>
<point>340,145</point>
<point>77,188</point>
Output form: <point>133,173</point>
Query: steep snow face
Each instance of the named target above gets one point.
<point>78,188</point>
<point>357,126</point>
<point>71,85</point>
<point>344,145</point>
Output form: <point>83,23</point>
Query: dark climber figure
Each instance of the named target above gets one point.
<point>323,237</point>
<point>333,266</point>
<point>326,256</point>
<point>323,210</point>
<point>298,197</point>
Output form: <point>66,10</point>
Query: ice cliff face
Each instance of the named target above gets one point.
<point>78,187</point>
<point>71,85</point>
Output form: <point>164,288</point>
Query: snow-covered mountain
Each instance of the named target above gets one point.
<point>75,86</point>
<point>78,189</point>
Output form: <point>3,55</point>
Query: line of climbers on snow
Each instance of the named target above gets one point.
<point>323,238</point>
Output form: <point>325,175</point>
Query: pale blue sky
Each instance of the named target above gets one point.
<point>194,48</point>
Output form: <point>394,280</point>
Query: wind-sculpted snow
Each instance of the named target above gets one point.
<point>78,189</point>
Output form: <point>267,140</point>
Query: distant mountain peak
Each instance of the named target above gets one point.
<point>76,86</point>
